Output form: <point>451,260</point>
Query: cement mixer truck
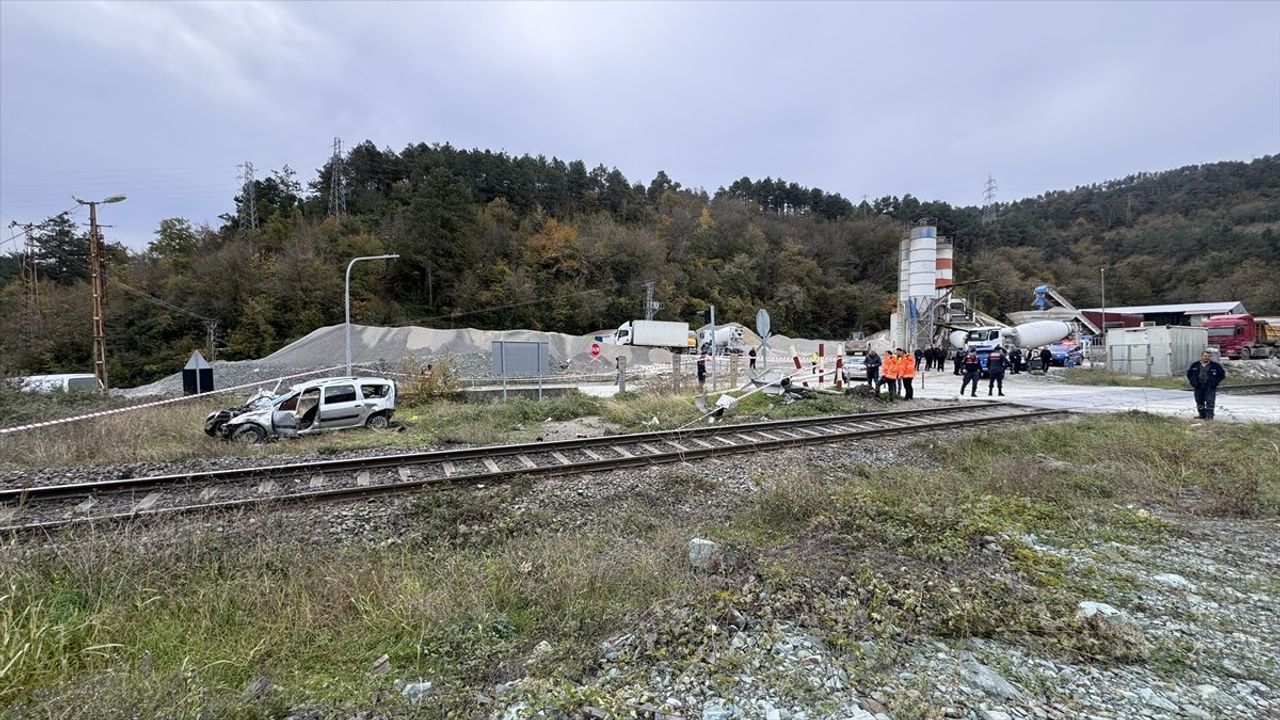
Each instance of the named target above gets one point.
<point>983,340</point>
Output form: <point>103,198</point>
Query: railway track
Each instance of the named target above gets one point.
<point>1258,388</point>
<point>51,507</point>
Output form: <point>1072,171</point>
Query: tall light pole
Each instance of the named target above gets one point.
<point>98,288</point>
<point>1103,329</point>
<point>348,298</point>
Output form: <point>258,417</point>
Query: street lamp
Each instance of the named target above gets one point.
<point>348,298</point>
<point>97,287</point>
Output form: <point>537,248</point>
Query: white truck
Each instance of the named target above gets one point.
<point>654,333</point>
<point>729,338</point>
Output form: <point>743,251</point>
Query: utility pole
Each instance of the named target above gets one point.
<point>97,286</point>
<point>337,182</point>
<point>32,322</point>
<point>651,306</point>
<point>248,203</point>
<point>989,212</point>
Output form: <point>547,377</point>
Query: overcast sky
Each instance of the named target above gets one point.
<point>163,100</point>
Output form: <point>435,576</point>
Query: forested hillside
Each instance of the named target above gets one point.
<point>494,241</point>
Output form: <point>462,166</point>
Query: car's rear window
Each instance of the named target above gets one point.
<point>339,394</point>
<point>376,390</point>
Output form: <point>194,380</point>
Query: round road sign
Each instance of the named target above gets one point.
<point>595,350</point>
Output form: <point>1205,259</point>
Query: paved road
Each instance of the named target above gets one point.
<point>1044,392</point>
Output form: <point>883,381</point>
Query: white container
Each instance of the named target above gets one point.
<point>924,262</point>
<point>1162,351</point>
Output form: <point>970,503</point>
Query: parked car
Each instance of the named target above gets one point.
<point>855,367</point>
<point>1064,352</point>
<point>316,406</point>
<point>66,382</point>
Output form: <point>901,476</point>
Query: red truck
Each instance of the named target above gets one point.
<point>1240,336</point>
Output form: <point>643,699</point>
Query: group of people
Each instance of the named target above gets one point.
<point>1016,360</point>
<point>897,370</point>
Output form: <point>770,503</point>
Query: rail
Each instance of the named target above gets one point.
<point>56,506</point>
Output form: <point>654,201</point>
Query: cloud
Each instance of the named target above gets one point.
<point>238,53</point>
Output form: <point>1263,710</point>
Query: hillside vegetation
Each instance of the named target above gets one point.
<point>495,241</point>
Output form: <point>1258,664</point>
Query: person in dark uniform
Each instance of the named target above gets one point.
<point>958,360</point>
<point>872,364</point>
<point>752,362</point>
<point>972,371</point>
<point>1204,377</point>
<point>918,356</point>
<point>702,370</point>
<point>1015,360</point>
<point>1046,358</point>
<point>997,361</point>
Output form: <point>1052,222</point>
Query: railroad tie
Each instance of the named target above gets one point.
<point>621,451</point>
<point>561,458</point>
<point>363,478</point>
<point>767,436</point>
<point>7,512</point>
<point>492,466</point>
<point>726,441</point>
<point>266,486</point>
<point>317,481</point>
<point>676,445</point>
<point>147,502</point>
<point>207,494</point>
<point>807,431</point>
<point>85,506</point>
<point>591,454</point>
<point>747,438</point>
<point>789,434</point>
<point>449,469</point>
<point>405,474</point>
<point>650,449</point>
<point>704,443</point>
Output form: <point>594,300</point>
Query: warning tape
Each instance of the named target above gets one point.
<point>157,403</point>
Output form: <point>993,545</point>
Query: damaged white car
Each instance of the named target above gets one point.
<point>308,408</point>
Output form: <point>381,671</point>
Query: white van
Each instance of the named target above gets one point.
<point>66,382</point>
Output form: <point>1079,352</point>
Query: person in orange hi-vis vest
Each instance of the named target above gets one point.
<point>906,371</point>
<point>889,374</point>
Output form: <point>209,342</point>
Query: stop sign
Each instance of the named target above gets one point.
<point>595,350</point>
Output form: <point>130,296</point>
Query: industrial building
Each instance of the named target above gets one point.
<point>1193,314</point>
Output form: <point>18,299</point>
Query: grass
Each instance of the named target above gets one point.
<point>178,628</point>
<point>1107,378</point>
<point>196,622</point>
<point>175,432</point>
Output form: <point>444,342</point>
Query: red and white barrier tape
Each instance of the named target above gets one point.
<point>157,403</point>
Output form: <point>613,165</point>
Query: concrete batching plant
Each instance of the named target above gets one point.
<point>924,281</point>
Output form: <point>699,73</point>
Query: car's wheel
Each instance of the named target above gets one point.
<point>378,422</point>
<point>1245,354</point>
<point>249,434</point>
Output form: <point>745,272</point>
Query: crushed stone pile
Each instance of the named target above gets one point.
<point>467,348</point>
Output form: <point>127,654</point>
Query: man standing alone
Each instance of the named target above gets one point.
<point>1204,377</point>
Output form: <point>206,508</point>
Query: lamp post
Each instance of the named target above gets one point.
<point>98,287</point>
<point>1103,329</point>
<point>348,297</point>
